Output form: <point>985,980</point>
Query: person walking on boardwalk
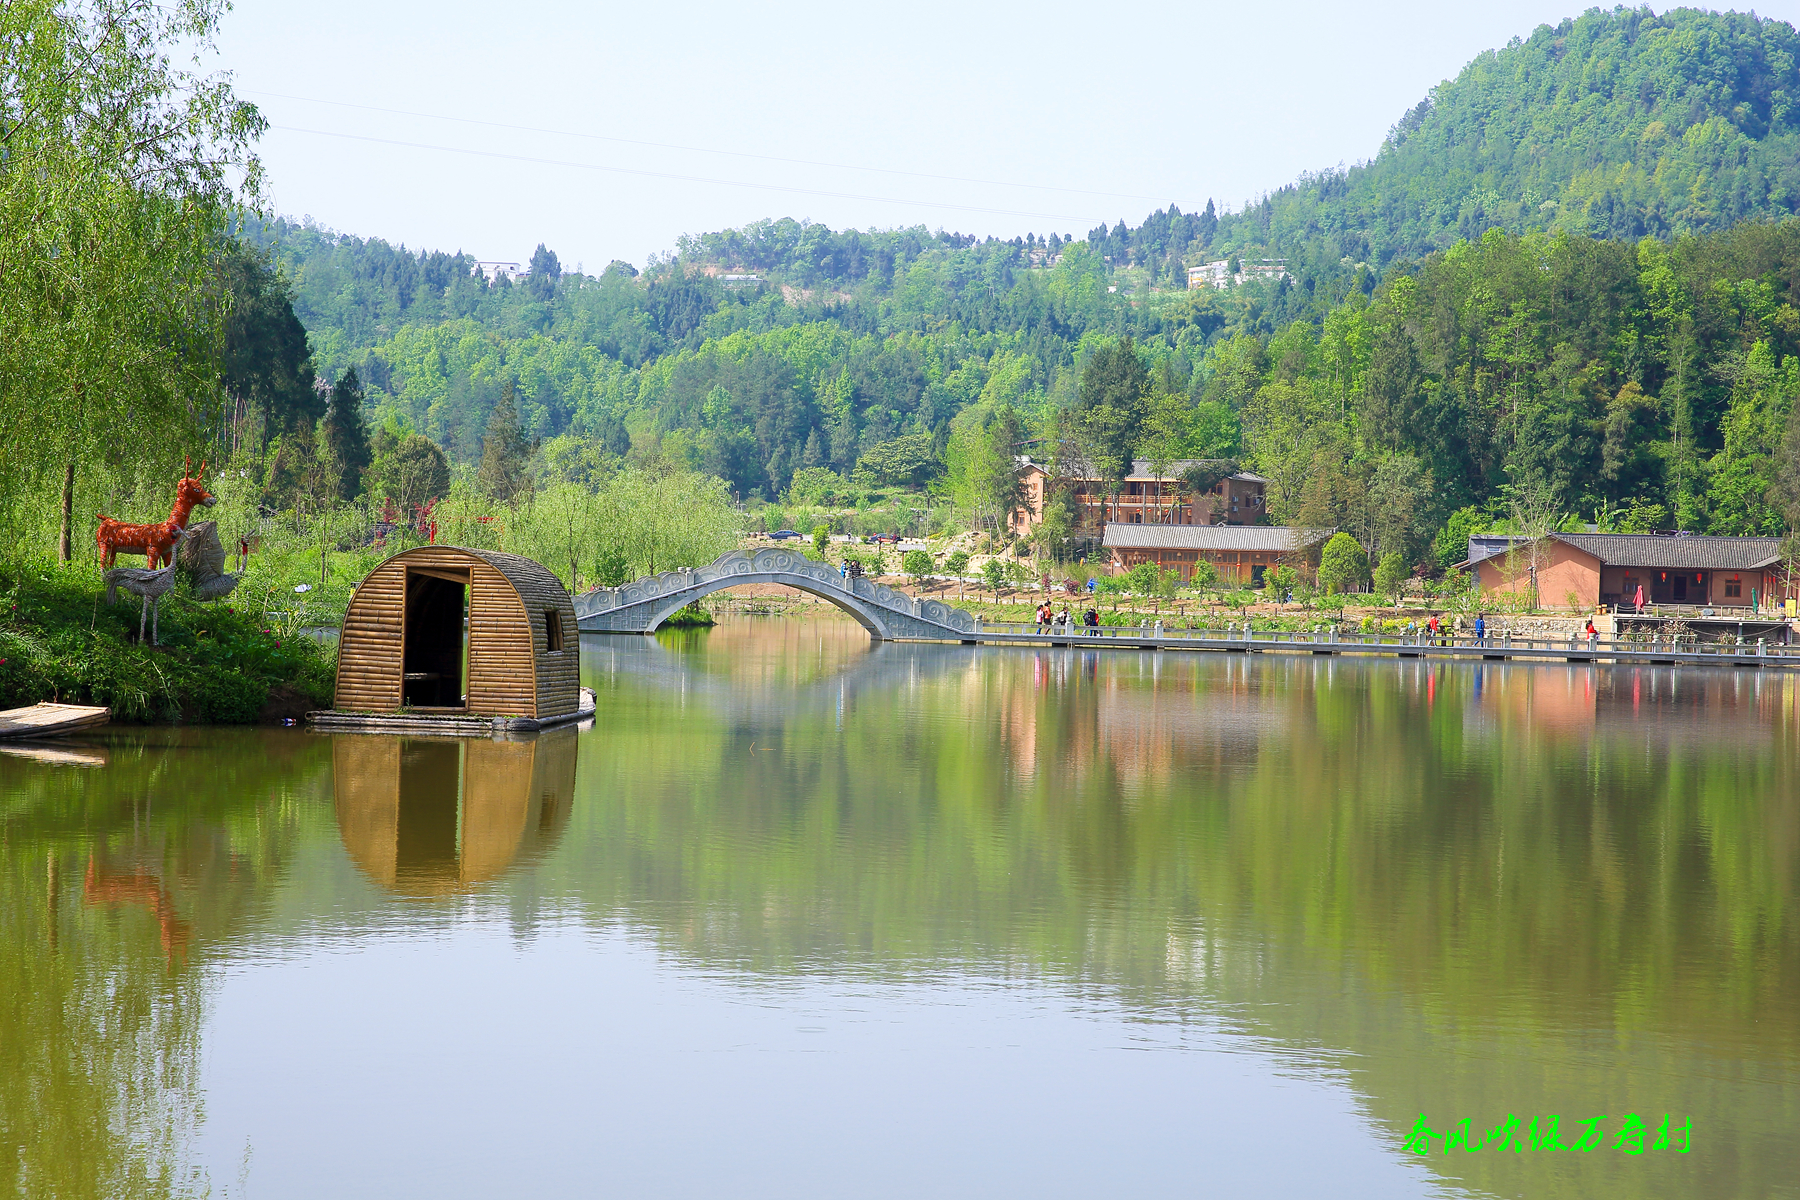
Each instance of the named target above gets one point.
<point>1480,629</point>
<point>1638,602</point>
<point>1091,619</point>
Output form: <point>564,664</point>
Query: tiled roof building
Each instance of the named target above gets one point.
<point>1612,568</point>
<point>1239,553</point>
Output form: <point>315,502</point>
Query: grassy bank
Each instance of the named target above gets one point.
<point>231,662</point>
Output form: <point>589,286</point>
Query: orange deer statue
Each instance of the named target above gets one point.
<point>155,542</point>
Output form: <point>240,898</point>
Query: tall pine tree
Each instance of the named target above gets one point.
<point>504,450</point>
<point>344,438</point>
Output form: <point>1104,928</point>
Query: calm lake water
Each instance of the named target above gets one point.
<point>804,917</point>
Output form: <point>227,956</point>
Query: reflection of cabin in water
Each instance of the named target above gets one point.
<point>441,629</point>
<point>431,816</point>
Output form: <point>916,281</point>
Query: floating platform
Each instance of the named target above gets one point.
<point>443,723</point>
<point>51,720</point>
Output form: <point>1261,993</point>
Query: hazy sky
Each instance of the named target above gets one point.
<point>608,130</point>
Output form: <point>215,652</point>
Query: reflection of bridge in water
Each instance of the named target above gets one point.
<point>433,816</point>
<point>880,668</point>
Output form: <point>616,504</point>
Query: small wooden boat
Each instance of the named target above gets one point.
<point>51,720</point>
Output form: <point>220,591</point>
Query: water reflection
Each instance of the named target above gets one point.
<point>127,863</point>
<point>434,816</point>
<point>1493,887</point>
<point>1465,890</point>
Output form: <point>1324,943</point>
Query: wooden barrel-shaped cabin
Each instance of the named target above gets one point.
<point>450,630</point>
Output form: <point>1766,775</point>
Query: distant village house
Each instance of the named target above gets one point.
<point>1144,498</point>
<point>494,272</point>
<point>1610,568</point>
<point>1219,275</point>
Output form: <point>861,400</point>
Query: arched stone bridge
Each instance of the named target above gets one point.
<point>888,615</point>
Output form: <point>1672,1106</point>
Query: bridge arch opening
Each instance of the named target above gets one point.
<point>843,601</point>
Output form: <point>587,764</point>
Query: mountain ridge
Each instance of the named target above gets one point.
<point>1619,124</point>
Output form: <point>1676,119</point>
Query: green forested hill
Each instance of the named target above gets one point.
<point>1563,279</point>
<point>1617,124</point>
<point>883,335</point>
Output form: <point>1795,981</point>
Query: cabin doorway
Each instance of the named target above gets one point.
<point>435,638</point>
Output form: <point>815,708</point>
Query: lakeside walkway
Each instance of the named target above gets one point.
<point>893,615</point>
<point>1421,645</point>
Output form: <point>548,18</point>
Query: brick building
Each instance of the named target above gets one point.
<point>1609,568</point>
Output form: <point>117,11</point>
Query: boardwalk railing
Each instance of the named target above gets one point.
<point>1157,636</point>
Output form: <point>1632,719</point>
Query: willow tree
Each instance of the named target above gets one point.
<point>119,173</point>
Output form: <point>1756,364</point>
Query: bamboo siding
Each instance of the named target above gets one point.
<point>512,671</point>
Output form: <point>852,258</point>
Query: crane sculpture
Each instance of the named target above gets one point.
<point>150,585</point>
<point>202,559</point>
<point>155,542</point>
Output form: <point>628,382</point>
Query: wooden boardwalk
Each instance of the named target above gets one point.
<point>1423,646</point>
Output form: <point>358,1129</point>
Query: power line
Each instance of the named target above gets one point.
<point>766,187</point>
<point>805,162</point>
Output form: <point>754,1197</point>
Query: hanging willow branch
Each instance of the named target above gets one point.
<point>119,173</point>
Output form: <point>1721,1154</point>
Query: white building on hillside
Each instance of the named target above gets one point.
<point>1218,275</point>
<point>493,272</point>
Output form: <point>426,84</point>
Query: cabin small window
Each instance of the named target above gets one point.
<point>553,632</point>
<point>1734,586</point>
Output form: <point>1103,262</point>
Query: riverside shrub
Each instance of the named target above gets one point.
<point>217,663</point>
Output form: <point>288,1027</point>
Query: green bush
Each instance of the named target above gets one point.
<point>227,698</point>
<point>691,617</point>
<point>1343,566</point>
<point>1391,575</point>
<point>993,573</point>
<point>1143,578</point>
<point>813,486</point>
